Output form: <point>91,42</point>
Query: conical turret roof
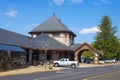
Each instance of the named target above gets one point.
<point>53,24</point>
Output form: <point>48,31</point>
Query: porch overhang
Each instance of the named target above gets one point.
<point>5,47</point>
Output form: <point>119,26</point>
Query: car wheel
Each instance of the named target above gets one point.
<point>73,65</point>
<point>56,65</point>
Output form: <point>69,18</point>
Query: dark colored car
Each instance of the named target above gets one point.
<point>88,60</point>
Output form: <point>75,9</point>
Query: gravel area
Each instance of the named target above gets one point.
<point>28,70</point>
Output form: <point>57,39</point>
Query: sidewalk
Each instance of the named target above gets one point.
<point>97,65</point>
<point>34,69</point>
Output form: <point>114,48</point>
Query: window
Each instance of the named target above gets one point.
<point>62,59</point>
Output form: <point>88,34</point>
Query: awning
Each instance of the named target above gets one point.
<point>5,47</point>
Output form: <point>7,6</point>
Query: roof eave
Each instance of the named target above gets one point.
<point>38,32</point>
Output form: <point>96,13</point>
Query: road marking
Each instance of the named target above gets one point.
<point>100,75</point>
<point>59,75</point>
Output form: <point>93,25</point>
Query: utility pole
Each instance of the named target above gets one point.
<point>46,45</point>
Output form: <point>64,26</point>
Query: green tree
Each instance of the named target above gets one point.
<point>88,54</point>
<point>106,40</point>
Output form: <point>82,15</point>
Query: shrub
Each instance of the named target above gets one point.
<point>50,67</point>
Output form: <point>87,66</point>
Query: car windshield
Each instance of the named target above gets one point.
<point>62,59</point>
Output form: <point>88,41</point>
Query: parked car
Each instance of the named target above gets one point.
<point>117,59</point>
<point>65,62</point>
<point>110,61</point>
<point>88,60</point>
<point>101,61</point>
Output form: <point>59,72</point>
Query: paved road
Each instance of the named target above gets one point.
<point>108,76</point>
<point>66,74</point>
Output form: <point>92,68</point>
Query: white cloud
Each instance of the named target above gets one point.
<point>11,13</point>
<point>76,1</point>
<point>96,3</point>
<point>104,1</point>
<point>91,30</point>
<point>58,2</point>
<point>100,2</point>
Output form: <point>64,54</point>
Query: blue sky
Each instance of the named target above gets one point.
<point>81,16</point>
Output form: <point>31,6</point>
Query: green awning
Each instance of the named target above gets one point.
<point>5,47</point>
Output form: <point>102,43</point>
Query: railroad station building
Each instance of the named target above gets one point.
<point>51,40</point>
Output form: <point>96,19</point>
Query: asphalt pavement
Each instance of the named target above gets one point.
<point>108,76</point>
<point>69,74</point>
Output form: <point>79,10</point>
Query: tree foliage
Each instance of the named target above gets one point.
<point>106,40</point>
<point>88,54</point>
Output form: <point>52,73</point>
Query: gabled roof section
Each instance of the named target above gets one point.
<point>74,47</point>
<point>53,24</point>
<point>12,38</point>
<point>42,41</point>
<point>87,46</point>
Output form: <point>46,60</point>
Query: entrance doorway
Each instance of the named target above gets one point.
<point>86,57</point>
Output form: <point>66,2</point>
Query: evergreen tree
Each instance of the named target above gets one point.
<point>106,40</point>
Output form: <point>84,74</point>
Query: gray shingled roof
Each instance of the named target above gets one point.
<point>42,40</point>
<point>53,24</point>
<point>15,39</point>
<point>11,38</point>
<point>75,46</point>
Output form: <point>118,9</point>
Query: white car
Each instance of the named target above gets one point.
<point>110,61</point>
<point>65,62</point>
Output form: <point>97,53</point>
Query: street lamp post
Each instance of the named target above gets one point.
<point>46,45</point>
